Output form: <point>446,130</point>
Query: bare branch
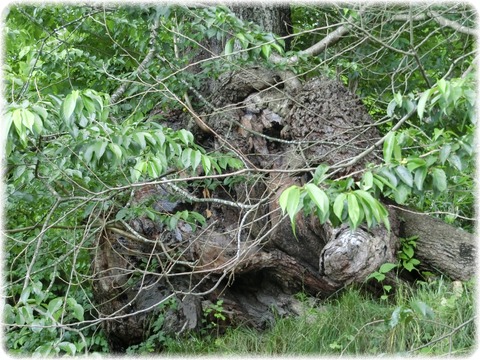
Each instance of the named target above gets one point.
<point>378,143</point>
<point>452,24</point>
<point>141,68</point>
<point>453,331</point>
<point>437,18</point>
<point>317,48</point>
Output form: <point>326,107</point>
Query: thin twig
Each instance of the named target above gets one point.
<point>143,65</point>
<point>449,334</point>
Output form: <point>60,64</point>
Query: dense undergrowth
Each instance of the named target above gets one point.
<point>431,318</point>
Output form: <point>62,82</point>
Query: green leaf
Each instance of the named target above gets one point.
<point>186,136</point>
<point>83,121</point>
<point>353,210</point>
<point>391,108</point>
<point>89,153</point>
<point>26,313</point>
<point>422,102</point>
<point>442,85</point>
<point>121,214</point>
<point>373,203</point>
<point>139,138</point>
<point>117,150</point>
<point>339,204</point>
<point>100,147</point>
<point>419,177</point>
<point>229,46</point>
<point>289,201</point>
<point>456,161</point>
<point>319,174</point>
<point>401,193</point>
<point>398,98</point>
<point>408,265</point>
<point>160,136</point>
<point>25,295</point>
<point>28,119</point>
<point>266,50</point>
<point>69,104</point>
<point>278,47</point>
<point>54,305</point>
<point>242,39</point>
<point>388,146</point>
<point>138,169</point>
<point>150,214</point>
<point>414,163</point>
<point>397,151</point>
<point>367,180</point>
<point>319,198</point>
<point>377,275</point>
<point>235,163</point>
<point>404,175</point>
<point>150,138</point>
<point>37,290</point>
<point>367,210</point>
<point>68,347</point>
<point>206,163</point>
<point>408,105</point>
<point>89,105</point>
<point>41,111</point>
<point>408,251</point>
<point>387,288</point>
<point>197,158</point>
<point>384,215</point>
<point>95,97</point>
<point>172,222</point>
<point>152,170</point>
<point>209,21</point>
<point>446,149</point>
<point>8,120</point>
<point>44,350</point>
<point>197,217</point>
<point>391,179</point>
<point>400,315</point>
<point>439,179</point>
<point>386,267</point>
<point>395,318</point>
<point>423,309</point>
<point>17,120</point>
<point>78,312</point>
<point>293,207</point>
<point>38,325</point>
<point>437,133</point>
<point>24,50</point>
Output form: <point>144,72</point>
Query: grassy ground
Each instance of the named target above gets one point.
<point>435,318</point>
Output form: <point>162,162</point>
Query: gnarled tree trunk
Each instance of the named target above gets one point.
<point>247,254</point>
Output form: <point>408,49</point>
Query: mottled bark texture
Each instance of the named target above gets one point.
<point>440,247</point>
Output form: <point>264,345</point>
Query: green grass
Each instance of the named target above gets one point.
<point>356,323</point>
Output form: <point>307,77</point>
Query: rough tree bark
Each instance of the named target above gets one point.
<point>441,247</point>
<point>247,254</point>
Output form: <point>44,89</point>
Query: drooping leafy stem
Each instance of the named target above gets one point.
<point>400,177</point>
<point>341,201</point>
<point>415,163</point>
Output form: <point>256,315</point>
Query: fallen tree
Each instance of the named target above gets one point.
<point>247,253</point>
<point>170,167</point>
